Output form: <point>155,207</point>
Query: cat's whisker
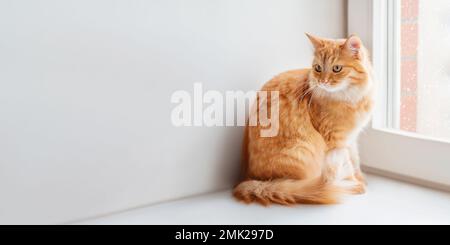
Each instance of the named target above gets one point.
<point>304,94</point>
<point>311,97</point>
<point>308,91</point>
<point>301,91</point>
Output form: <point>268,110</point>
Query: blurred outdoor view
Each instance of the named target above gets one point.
<point>425,67</point>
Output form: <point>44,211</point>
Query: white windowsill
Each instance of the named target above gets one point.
<point>386,202</point>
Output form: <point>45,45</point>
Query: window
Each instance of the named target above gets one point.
<point>425,67</point>
<point>410,42</point>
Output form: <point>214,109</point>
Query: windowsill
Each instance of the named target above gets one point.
<point>386,202</point>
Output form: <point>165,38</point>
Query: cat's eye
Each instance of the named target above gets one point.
<point>337,68</point>
<point>318,68</point>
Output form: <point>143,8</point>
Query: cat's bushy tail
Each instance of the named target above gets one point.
<point>319,190</point>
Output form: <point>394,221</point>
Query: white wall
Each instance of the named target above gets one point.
<point>85,92</point>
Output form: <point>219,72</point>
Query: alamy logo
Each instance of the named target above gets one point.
<point>232,108</point>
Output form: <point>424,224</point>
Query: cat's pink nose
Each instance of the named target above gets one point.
<point>324,80</point>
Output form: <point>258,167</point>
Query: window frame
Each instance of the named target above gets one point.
<point>409,156</point>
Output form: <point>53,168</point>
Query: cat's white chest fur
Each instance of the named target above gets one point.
<point>362,121</point>
<point>360,125</point>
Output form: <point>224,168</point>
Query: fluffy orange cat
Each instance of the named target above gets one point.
<point>314,157</point>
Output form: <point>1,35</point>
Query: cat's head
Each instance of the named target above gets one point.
<point>341,68</point>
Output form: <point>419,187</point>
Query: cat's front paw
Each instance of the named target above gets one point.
<point>339,160</point>
<point>359,188</point>
<point>360,177</point>
<point>338,157</point>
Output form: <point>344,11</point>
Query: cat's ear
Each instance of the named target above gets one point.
<point>316,41</point>
<point>353,45</point>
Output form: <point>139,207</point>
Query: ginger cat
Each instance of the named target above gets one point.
<point>314,158</point>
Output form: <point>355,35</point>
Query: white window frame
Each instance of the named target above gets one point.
<point>412,157</point>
